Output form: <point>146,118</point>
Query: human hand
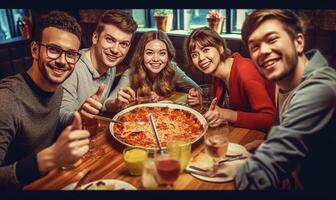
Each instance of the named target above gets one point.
<point>253,146</point>
<point>217,115</point>
<point>193,97</point>
<point>154,97</point>
<point>213,114</point>
<point>70,146</point>
<point>92,105</point>
<point>125,96</point>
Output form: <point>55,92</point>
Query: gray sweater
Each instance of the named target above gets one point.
<point>305,139</point>
<point>82,83</point>
<point>28,122</point>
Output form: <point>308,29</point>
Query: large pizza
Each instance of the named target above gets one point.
<point>170,119</point>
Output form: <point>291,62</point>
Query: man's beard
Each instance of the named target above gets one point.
<point>43,69</point>
<point>292,64</point>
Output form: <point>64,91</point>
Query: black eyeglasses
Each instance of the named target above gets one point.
<point>54,52</point>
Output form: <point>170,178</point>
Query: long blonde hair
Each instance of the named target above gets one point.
<point>139,73</point>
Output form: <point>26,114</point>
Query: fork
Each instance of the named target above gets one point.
<point>115,121</point>
<point>106,119</point>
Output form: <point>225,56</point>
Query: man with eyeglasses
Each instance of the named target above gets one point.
<point>91,83</point>
<point>30,104</point>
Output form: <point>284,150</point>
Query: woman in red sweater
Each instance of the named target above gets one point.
<point>244,98</point>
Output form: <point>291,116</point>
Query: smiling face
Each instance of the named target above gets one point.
<point>54,71</point>
<point>155,56</point>
<point>273,51</point>
<point>206,59</point>
<point>111,46</point>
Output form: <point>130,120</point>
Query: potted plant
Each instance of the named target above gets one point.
<point>215,20</point>
<point>24,26</point>
<point>162,18</point>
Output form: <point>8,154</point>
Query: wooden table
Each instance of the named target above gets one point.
<point>106,162</point>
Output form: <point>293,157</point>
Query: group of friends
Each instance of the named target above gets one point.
<point>281,90</point>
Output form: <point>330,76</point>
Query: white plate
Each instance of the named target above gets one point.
<point>230,168</point>
<point>198,115</point>
<point>118,185</point>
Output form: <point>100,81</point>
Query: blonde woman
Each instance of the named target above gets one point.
<point>152,71</point>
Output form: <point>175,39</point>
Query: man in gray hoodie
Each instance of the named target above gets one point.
<point>303,140</point>
<point>91,83</point>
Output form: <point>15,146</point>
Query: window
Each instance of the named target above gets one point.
<point>9,19</point>
<point>139,17</point>
<point>4,27</point>
<point>237,17</point>
<point>189,19</point>
<point>197,18</point>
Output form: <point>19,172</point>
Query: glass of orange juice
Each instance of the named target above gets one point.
<point>135,158</point>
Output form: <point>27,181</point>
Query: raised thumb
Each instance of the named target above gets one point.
<point>77,122</point>
<point>213,104</point>
<point>99,92</point>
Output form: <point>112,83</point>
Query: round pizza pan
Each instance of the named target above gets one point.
<point>198,115</point>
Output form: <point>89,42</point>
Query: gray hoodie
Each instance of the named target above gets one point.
<point>305,138</point>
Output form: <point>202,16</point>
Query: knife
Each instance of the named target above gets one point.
<point>232,159</point>
<point>203,172</point>
<point>81,180</point>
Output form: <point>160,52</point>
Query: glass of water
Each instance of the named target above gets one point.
<point>206,96</point>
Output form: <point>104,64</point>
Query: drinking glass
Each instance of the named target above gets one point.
<point>216,144</point>
<point>134,158</point>
<point>180,149</point>
<point>148,177</point>
<point>95,151</point>
<point>167,167</point>
<point>206,96</point>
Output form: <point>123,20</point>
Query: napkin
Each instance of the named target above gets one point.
<point>200,165</point>
<point>204,162</point>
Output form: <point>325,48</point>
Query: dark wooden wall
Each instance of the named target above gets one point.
<point>15,56</point>
<point>321,32</point>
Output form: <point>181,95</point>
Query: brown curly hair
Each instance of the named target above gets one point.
<point>139,76</point>
<point>121,19</point>
<point>60,20</point>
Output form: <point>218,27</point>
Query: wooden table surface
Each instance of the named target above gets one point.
<point>106,162</point>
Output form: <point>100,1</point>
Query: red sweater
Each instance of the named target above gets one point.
<point>250,95</point>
